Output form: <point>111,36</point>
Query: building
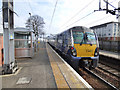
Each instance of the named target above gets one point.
<point>108,35</point>
<point>107,31</point>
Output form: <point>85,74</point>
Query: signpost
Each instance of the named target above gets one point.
<point>9,65</point>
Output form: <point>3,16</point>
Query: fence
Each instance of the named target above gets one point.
<point>110,45</point>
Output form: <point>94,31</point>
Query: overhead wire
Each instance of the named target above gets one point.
<point>110,4</point>
<point>102,17</point>
<point>78,12</point>
<point>1,9</point>
<point>99,20</point>
<point>80,19</point>
<point>53,13</point>
<point>85,16</point>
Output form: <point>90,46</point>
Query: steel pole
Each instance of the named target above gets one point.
<point>8,37</point>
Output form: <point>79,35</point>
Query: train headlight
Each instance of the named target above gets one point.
<point>96,52</point>
<point>74,54</point>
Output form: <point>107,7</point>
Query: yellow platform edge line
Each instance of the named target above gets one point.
<point>77,75</point>
<point>61,83</point>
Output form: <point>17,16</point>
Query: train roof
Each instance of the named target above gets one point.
<point>79,28</point>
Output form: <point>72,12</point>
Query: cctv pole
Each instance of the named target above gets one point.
<point>119,26</point>
<point>9,65</point>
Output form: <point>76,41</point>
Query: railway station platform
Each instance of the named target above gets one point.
<point>110,54</point>
<point>45,70</point>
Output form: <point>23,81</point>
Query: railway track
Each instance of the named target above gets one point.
<point>94,79</point>
<point>109,69</point>
<point>103,81</point>
<point>108,74</point>
<point>109,61</point>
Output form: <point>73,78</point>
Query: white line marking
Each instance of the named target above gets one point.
<point>12,74</point>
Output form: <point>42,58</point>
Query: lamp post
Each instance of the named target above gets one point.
<point>31,36</point>
<point>30,20</point>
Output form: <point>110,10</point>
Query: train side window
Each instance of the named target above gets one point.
<point>57,38</point>
<point>60,39</point>
<point>63,38</point>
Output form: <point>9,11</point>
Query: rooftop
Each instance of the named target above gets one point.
<point>21,29</point>
<point>103,25</point>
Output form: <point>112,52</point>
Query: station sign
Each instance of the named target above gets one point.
<point>6,25</point>
<point>11,36</point>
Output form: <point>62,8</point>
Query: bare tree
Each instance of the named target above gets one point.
<point>36,23</point>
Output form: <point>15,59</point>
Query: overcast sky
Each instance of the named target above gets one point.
<point>68,13</point>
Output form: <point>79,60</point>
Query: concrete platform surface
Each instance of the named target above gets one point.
<point>65,75</point>
<point>38,69</point>
<point>45,70</point>
<point>110,54</point>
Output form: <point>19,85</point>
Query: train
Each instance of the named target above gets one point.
<point>79,45</point>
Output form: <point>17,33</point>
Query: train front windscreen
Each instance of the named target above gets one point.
<point>85,43</point>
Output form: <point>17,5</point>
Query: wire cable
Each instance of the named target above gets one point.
<point>99,20</point>
<point>103,17</point>
<point>0,9</point>
<point>79,12</point>
<point>53,14</point>
<point>109,4</point>
<point>80,19</point>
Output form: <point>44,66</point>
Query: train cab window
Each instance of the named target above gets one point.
<point>84,38</point>
<point>91,39</point>
<point>78,37</point>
